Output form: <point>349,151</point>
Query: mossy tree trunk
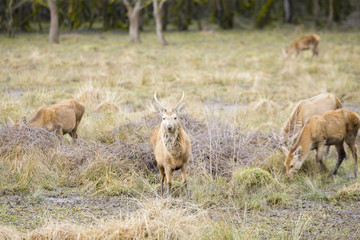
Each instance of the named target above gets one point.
<point>263,17</point>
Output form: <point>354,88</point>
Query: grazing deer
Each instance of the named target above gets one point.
<point>63,117</point>
<point>306,108</point>
<point>172,147</point>
<point>303,43</point>
<point>331,128</point>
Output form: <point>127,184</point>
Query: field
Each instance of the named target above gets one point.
<point>239,90</point>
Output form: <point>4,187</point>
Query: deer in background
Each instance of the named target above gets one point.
<point>63,118</point>
<point>172,147</point>
<point>303,43</point>
<point>331,128</point>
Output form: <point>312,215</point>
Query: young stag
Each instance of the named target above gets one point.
<point>331,128</point>
<point>63,118</point>
<point>172,147</point>
<point>304,43</point>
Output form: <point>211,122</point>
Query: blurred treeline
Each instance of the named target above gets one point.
<point>34,15</point>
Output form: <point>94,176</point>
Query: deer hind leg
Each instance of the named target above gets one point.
<point>351,144</point>
<point>59,129</point>
<point>168,173</point>
<point>162,178</point>
<point>183,173</point>
<point>341,156</point>
<point>73,133</point>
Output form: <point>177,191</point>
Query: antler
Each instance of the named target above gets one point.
<point>158,103</point>
<point>179,102</point>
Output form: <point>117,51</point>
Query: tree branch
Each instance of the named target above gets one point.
<point>127,5</point>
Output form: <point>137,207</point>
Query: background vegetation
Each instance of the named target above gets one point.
<point>34,15</point>
<point>239,90</point>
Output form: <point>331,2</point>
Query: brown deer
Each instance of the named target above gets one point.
<point>331,128</point>
<point>172,147</point>
<point>306,108</point>
<point>63,117</point>
<point>304,43</point>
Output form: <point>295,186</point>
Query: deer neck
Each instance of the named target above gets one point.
<point>171,141</point>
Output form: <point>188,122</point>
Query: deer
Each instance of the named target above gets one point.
<point>306,108</point>
<point>303,43</point>
<point>172,146</point>
<point>331,128</point>
<point>63,117</point>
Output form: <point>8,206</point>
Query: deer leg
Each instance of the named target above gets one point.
<point>59,129</point>
<point>168,173</point>
<point>183,173</point>
<point>162,178</point>
<point>351,144</point>
<point>319,155</point>
<point>326,152</point>
<point>341,156</point>
<point>73,132</point>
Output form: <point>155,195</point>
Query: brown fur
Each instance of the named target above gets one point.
<point>306,108</point>
<point>63,117</point>
<point>304,43</point>
<point>172,148</point>
<point>331,128</point>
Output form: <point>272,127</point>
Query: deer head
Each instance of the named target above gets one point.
<point>170,121</point>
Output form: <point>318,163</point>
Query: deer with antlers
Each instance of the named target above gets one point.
<point>172,147</point>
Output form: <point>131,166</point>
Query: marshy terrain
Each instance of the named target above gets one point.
<point>239,90</point>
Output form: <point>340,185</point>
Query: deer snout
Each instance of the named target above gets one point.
<point>170,127</point>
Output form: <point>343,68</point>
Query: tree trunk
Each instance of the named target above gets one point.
<point>133,14</point>
<point>54,22</point>
<point>331,13</point>
<point>157,17</point>
<point>288,11</point>
<point>10,20</point>
<point>316,12</point>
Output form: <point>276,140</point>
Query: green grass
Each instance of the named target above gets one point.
<point>237,77</point>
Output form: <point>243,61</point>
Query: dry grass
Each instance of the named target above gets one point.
<point>238,92</point>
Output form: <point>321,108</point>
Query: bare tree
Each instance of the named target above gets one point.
<point>157,17</point>
<point>133,14</point>
<point>54,22</point>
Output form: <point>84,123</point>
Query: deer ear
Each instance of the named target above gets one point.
<point>11,121</point>
<point>23,120</point>
<point>158,109</point>
<point>285,150</point>
<point>180,108</point>
<point>298,151</point>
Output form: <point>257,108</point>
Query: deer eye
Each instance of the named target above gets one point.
<point>175,118</point>
<point>292,165</point>
<point>163,118</point>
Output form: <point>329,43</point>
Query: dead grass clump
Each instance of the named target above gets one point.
<point>349,193</point>
<point>8,233</point>
<point>52,230</point>
<point>264,106</point>
<point>160,219</point>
